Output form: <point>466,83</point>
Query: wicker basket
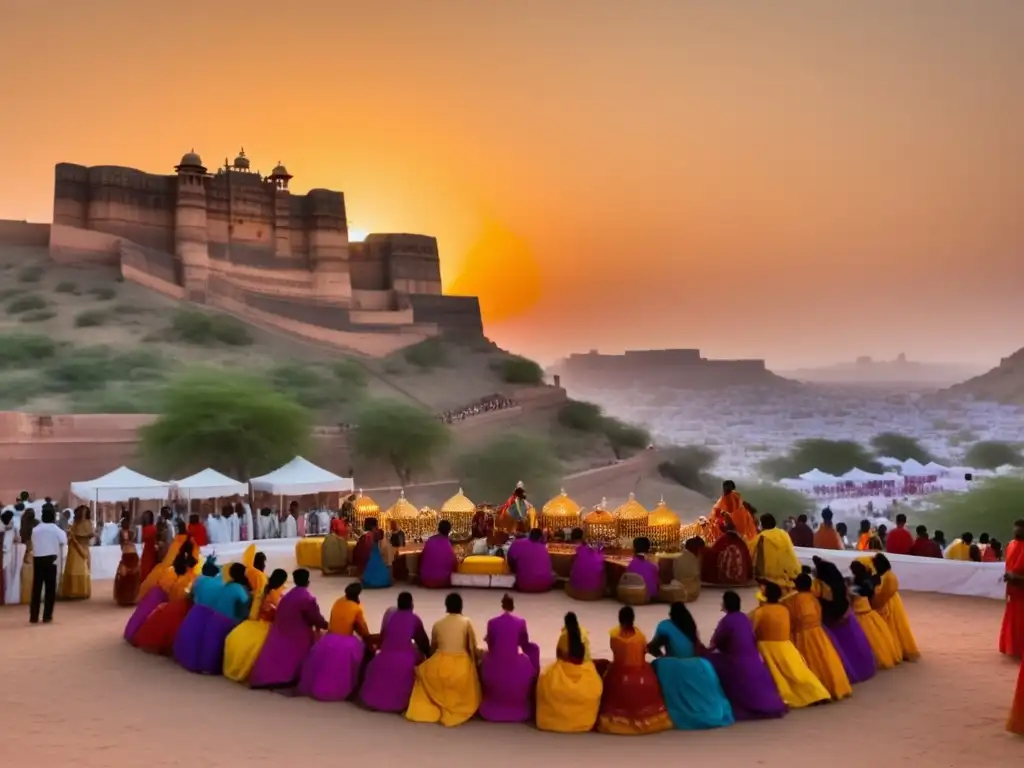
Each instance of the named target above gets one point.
<point>632,519</point>
<point>632,590</point>
<point>362,508</point>
<point>663,528</point>
<point>560,513</point>
<point>459,511</point>
<point>403,514</point>
<point>600,526</point>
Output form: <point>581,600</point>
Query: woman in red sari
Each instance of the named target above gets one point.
<point>1011,636</point>
<point>148,562</point>
<point>159,630</point>
<point>632,702</point>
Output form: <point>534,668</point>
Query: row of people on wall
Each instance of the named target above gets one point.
<point>790,652</point>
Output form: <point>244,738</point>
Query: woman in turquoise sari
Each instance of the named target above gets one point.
<point>377,574</point>
<point>692,691</point>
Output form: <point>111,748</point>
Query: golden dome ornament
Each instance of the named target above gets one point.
<point>425,524</point>
<point>560,513</point>
<point>362,508</point>
<point>632,518</point>
<point>459,511</point>
<point>663,528</point>
<point>403,513</point>
<point>600,526</point>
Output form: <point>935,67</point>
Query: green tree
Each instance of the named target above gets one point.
<point>520,370</point>
<point>992,454</point>
<point>404,436</point>
<point>832,456</point>
<point>690,466</point>
<point>492,471</point>
<point>624,438</point>
<point>991,507</point>
<point>235,424</point>
<point>775,500</point>
<point>900,447</point>
<point>580,416</point>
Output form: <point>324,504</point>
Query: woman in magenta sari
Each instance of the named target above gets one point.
<point>391,674</point>
<point>530,561</point>
<point>745,679</point>
<point>509,668</point>
<point>438,561</point>
<point>292,634</point>
<point>643,567</point>
<point>587,580</point>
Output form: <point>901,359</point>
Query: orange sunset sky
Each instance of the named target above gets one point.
<point>800,180</point>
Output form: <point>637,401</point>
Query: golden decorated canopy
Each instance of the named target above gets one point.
<point>561,505</point>
<point>365,506</point>
<point>599,517</point>
<point>458,504</point>
<point>662,515</point>
<point>402,509</point>
<point>631,510</point>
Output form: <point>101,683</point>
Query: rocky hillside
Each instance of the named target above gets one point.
<point>1003,384</point>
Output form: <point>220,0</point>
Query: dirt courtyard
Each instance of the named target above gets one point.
<point>74,693</point>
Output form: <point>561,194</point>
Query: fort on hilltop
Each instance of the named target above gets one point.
<point>683,368</point>
<point>245,243</point>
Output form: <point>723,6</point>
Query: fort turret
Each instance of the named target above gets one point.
<point>191,236</point>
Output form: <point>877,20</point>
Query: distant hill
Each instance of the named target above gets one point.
<point>1003,384</point>
<point>866,371</point>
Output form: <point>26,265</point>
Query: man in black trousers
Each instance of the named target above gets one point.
<point>47,541</point>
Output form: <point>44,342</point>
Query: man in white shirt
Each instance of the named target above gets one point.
<point>48,542</point>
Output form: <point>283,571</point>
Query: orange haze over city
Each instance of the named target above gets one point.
<point>802,181</point>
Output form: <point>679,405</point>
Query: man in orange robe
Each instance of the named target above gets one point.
<point>864,536</point>
<point>1011,636</point>
<point>826,537</point>
<point>730,507</point>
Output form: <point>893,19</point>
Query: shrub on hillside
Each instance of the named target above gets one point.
<point>10,293</point>
<point>777,501</point>
<point>690,467</point>
<point>90,318</point>
<point>103,292</point>
<point>900,447</point>
<point>37,316</point>
<point>30,275</point>
<point>521,370</point>
<point>92,368</point>
<point>489,473</point>
<point>15,391</point>
<point>429,353</point>
<point>624,438</point>
<point>350,373</point>
<point>581,416</point>
<point>193,327</point>
<point>28,302</point>
<point>832,456</point>
<point>65,286</point>
<point>24,350</point>
<point>992,454</point>
<point>304,384</point>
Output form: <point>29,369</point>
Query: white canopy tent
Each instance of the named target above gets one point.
<point>121,485</point>
<point>817,476</point>
<point>935,467</point>
<point>889,461</point>
<point>300,477</point>
<point>914,468</point>
<point>209,484</point>
<point>856,475</point>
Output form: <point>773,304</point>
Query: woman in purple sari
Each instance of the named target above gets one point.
<point>509,669</point>
<point>745,679</point>
<point>438,560</point>
<point>587,579</point>
<point>646,569</point>
<point>841,626</point>
<point>291,636</point>
<point>530,561</point>
<point>389,677</point>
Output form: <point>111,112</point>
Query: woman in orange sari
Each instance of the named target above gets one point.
<point>1011,635</point>
<point>159,630</point>
<point>126,582</point>
<point>632,702</point>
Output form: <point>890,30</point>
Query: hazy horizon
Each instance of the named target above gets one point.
<point>805,182</point>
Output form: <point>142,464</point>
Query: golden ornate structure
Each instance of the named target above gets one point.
<point>600,526</point>
<point>362,508</point>
<point>632,519</point>
<point>403,513</point>
<point>559,513</point>
<point>425,524</point>
<point>663,528</point>
<point>700,528</point>
<point>459,511</point>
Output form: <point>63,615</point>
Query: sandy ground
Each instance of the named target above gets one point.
<point>73,693</point>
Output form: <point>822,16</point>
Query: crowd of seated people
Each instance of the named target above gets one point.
<point>484,405</point>
<point>830,634</point>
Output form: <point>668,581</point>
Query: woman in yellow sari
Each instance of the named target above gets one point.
<point>160,570</point>
<point>76,583</point>
<point>255,563</point>
<point>889,605</point>
<point>813,643</point>
<point>244,643</point>
<point>569,690</point>
<point>796,683</point>
<point>883,645</point>
<point>631,703</point>
<point>447,689</point>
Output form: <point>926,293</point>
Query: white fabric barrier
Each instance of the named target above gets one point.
<point>926,574</point>
<point>916,574</point>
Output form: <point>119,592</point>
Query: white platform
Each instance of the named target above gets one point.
<point>916,574</point>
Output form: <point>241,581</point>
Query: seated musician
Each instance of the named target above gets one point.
<point>728,561</point>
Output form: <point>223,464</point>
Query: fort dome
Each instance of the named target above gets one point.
<point>279,170</point>
<point>241,162</point>
<point>191,160</point>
